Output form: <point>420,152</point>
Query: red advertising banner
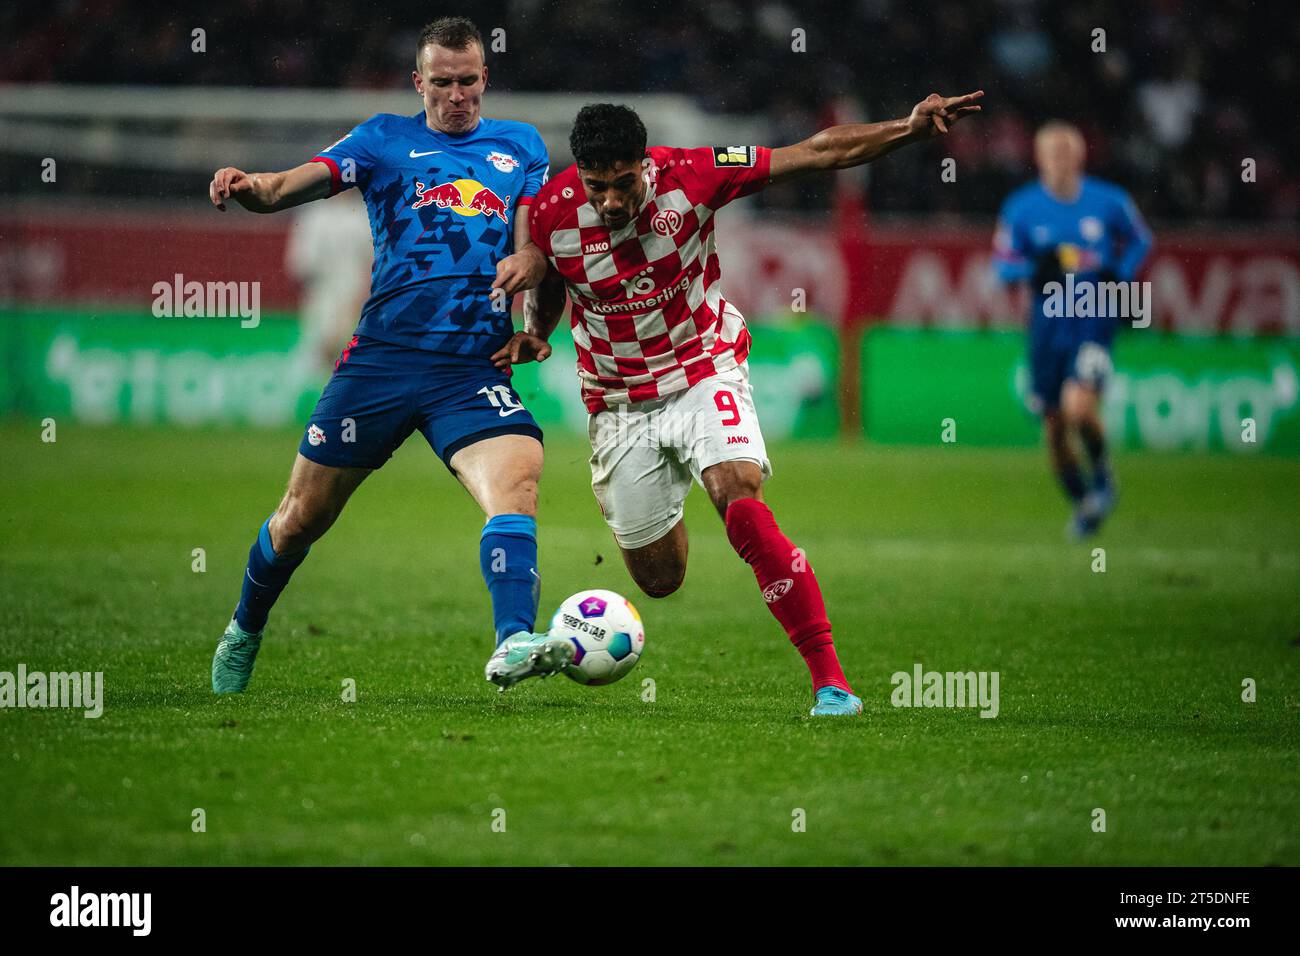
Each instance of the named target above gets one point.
<point>94,257</point>
<point>1202,281</point>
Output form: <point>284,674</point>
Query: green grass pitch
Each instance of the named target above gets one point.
<point>1119,690</point>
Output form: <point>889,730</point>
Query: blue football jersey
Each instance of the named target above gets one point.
<point>442,210</point>
<point>1100,235</point>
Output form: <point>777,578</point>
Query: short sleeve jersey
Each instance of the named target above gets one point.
<point>649,317</point>
<point>441,210</point>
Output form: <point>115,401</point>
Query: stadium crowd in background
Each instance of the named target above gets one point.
<point>1182,95</point>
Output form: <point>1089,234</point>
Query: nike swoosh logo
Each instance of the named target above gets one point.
<point>509,411</point>
<point>415,155</point>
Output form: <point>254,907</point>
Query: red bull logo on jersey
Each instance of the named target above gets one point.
<point>465,197</point>
<point>503,161</point>
<point>489,203</point>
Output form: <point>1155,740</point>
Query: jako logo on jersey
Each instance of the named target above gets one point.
<point>503,161</point>
<point>666,222</point>
<point>737,439</point>
<point>466,197</point>
<point>589,248</point>
<point>777,590</point>
<point>315,436</point>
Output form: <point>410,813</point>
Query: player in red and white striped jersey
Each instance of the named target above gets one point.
<point>661,352</point>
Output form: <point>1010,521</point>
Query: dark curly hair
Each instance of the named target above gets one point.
<point>605,134</point>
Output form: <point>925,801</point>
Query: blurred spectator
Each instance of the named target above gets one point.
<point>329,252</point>
<point>1185,90</point>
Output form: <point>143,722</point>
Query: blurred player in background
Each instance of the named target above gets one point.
<point>1069,223</point>
<point>445,189</point>
<point>662,355</point>
<point>329,253</point>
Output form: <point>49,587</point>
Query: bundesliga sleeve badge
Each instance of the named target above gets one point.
<point>734,155</point>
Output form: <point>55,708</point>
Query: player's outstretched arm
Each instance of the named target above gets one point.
<point>842,147</point>
<point>270,192</point>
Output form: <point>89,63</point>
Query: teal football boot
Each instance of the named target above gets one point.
<point>832,701</point>
<point>1104,500</point>
<point>1086,520</point>
<point>232,664</point>
<point>525,655</point>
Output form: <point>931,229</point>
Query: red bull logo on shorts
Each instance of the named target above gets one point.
<point>466,197</point>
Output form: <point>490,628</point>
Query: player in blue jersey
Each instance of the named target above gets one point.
<point>1073,239</point>
<point>446,191</point>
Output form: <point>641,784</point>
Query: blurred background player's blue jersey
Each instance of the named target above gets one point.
<point>441,211</point>
<point>1098,237</point>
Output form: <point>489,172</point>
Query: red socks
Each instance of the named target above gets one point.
<point>789,586</point>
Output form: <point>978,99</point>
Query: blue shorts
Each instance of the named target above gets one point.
<point>380,393</point>
<point>1052,363</point>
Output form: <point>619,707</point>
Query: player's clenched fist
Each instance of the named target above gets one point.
<point>227,181</point>
<point>936,113</point>
<point>521,271</point>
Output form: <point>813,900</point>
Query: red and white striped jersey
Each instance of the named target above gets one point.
<point>648,315</point>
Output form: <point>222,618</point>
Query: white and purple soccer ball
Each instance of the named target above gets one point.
<point>606,633</point>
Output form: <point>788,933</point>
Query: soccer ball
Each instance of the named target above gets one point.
<point>606,633</point>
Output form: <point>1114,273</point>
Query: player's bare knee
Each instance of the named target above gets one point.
<point>659,570</point>
<point>659,585</point>
<point>1076,418</point>
<point>523,496</point>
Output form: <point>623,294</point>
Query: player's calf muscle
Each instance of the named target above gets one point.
<point>731,481</point>
<point>311,504</point>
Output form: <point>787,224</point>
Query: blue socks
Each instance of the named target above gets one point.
<point>1095,444</point>
<point>507,555</point>
<point>264,579</point>
<point>1072,481</point>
